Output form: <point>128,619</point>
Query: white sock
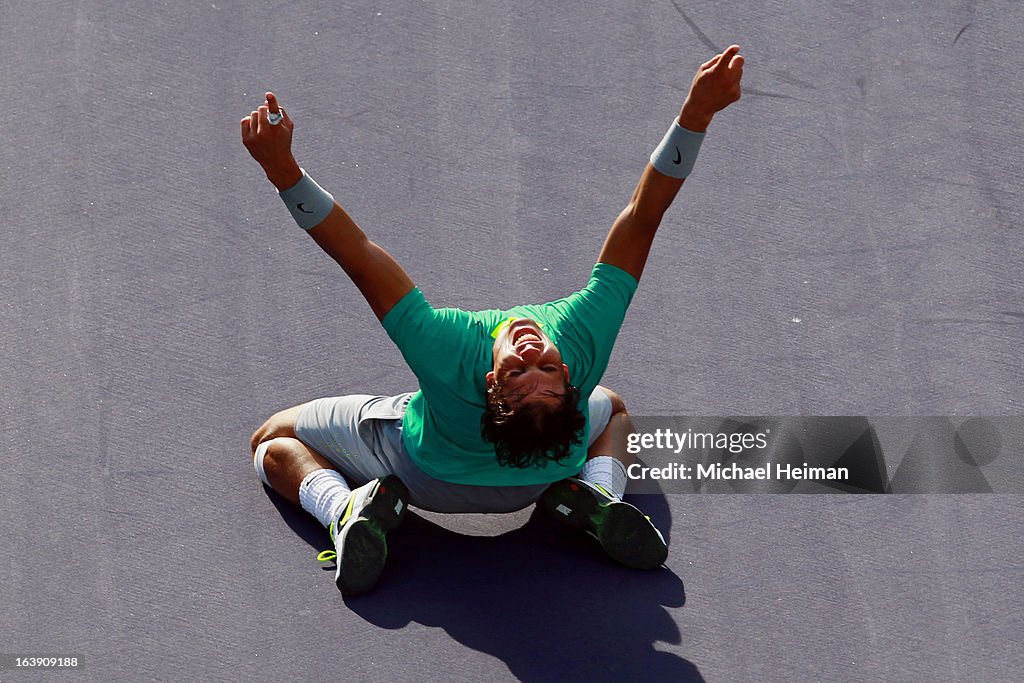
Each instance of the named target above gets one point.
<point>607,472</point>
<point>324,494</point>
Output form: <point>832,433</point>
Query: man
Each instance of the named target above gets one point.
<point>509,411</point>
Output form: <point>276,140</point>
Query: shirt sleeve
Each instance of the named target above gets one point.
<point>588,323</point>
<point>440,346</point>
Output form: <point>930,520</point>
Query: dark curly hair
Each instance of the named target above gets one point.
<point>534,432</point>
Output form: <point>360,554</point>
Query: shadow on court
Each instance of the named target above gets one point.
<point>543,599</point>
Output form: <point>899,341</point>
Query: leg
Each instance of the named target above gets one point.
<point>285,461</point>
<point>611,443</point>
<point>358,520</point>
<point>608,456</point>
<point>613,440</point>
<point>593,501</point>
<point>279,424</point>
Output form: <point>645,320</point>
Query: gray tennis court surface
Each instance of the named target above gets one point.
<point>850,244</point>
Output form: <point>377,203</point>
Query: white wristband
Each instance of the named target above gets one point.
<point>677,153</point>
<point>308,203</point>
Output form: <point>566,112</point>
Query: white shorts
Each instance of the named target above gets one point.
<point>362,436</point>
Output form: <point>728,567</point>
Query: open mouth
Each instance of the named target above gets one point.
<point>525,335</point>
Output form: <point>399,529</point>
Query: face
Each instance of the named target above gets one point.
<point>527,364</point>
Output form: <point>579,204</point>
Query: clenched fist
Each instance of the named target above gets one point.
<point>271,145</point>
<point>715,86</point>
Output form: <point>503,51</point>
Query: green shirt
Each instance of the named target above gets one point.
<point>450,352</point>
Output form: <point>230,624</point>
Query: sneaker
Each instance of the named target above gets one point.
<point>361,548</point>
<point>626,534</point>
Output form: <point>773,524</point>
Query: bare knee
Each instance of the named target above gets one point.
<point>284,462</point>
<point>618,405</point>
<point>280,424</point>
<point>287,451</point>
<point>282,452</point>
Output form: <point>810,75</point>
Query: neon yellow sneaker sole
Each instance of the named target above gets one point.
<point>360,536</point>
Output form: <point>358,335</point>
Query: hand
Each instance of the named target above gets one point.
<point>715,87</point>
<point>271,145</point>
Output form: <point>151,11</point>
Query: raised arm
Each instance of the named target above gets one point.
<point>715,86</point>
<point>379,277</point>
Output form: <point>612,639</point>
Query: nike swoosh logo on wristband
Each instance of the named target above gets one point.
<point>299,207</point>
<point>679,157</point>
